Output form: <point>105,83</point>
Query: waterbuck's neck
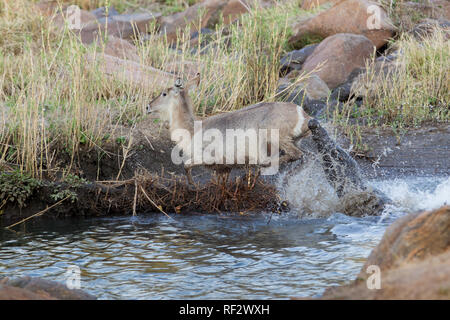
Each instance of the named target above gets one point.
<point>182,116</point>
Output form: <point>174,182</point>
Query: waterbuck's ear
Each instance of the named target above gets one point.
<point>193,83</point>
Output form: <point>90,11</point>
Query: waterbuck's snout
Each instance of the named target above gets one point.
<point>159,103</point>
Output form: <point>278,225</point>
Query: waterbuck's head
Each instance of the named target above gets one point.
<point>174,102</point>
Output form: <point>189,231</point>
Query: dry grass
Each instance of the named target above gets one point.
<point>416,90</point>
<point>51,103</point>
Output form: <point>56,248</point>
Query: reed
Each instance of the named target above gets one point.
<point>53,105</point>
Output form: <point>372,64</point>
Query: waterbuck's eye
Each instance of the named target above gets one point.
<point>164,94</point>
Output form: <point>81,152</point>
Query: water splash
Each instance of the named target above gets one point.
<point>416,194</point>
<point>307,190</point>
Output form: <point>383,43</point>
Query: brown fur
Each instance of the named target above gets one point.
<point>175,107</point>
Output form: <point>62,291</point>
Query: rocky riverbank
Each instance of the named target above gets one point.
<point>412,261</point>
<point>113,159</point>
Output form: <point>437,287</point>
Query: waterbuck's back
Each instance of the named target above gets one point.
<point>266,115</point>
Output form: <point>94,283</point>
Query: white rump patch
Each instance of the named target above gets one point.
<point>301,119</point>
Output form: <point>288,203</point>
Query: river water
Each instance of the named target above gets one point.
<point>194,256</point>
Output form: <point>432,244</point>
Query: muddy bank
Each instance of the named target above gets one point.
<point>142,193</point>
<point>413,260</point>
<point>139,175</point>
<point>418,151</point>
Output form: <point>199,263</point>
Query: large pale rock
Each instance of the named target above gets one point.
<point>413,238</point>
<point>204,14</point>
<point>86,19</point>
<point>131,73</point>
<point>183,67</point>
<point>121,48</point>
<point>124,26</point>
<point>348,16</point>
<point>48,8</point>
<point>337,56</point>
<point>314,87</point>
<point>413,258</point>
<point>311,4</point>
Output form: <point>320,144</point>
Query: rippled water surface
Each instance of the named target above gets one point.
<point>210,256</point>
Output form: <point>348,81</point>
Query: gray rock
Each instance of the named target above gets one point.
<point>427,27</point>
<point>343,92</point>
<point>295,59</point>
<point>298,96</point>
<point>203,31</point>
<point>101,12</point>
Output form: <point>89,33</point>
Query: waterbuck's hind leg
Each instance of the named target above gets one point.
<point>188,170</point>
<point>291,152</point>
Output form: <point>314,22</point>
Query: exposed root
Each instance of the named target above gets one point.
<point>147,191</point>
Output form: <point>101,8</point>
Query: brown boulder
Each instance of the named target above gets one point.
<point>310,4</point>
<point>48,8</point>
<point>314,87</point>
<point>347,16</point>
<point>13,293</point>
<point>337,56</point>
<point>28,288</point>
<point>412,238</point>
<point>124,26</point>
<point>86,19</point>
<point>203,14</point>
<point>413,258</point>
<point>121,48</point>
<point>424,280</point>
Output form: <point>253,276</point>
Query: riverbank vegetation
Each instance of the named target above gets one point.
<point>413,91</point>
<point>56,107</point>
<point>53,105</point>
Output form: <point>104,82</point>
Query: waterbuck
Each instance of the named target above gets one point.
<point>255,131</point>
